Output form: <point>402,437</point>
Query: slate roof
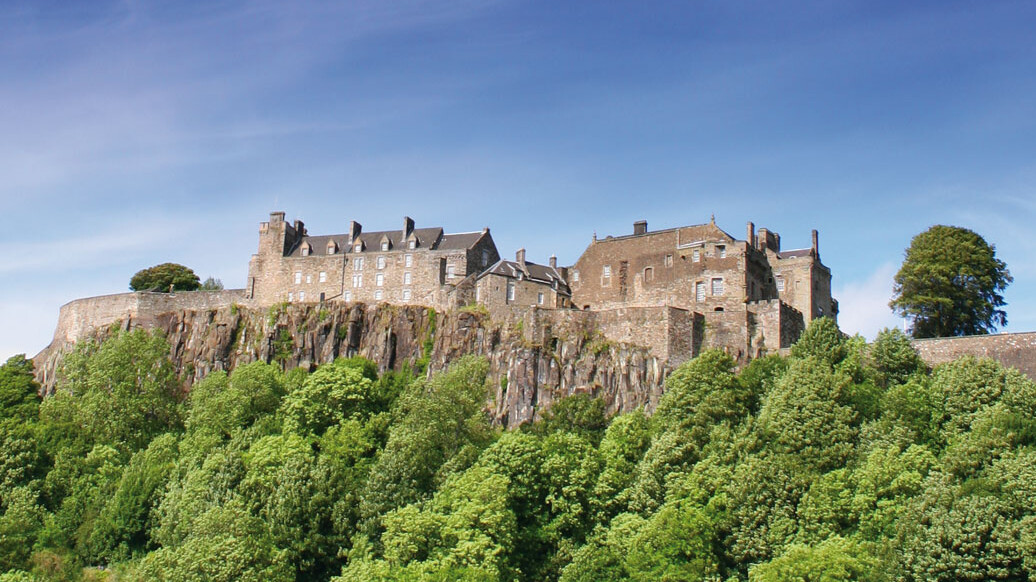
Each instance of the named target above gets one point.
<point>542,274</point>
<point>794,254</point>
<point>427,239</point>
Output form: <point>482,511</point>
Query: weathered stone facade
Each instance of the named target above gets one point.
<point>520,283</point>
<point>754,297</point>
<point>1013,350</point>
<point>409,266</point>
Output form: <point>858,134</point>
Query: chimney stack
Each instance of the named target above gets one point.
<point>640,227</point>
<point>276,217</point>
<point>816,246</point>
<point>520,257</point>
<point>750,235</point>
<point>300,228</point>
<point>554,262</point>
<point>408,226</point>
<point>354,230</point>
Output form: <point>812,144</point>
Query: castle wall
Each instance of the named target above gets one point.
<point>492,292</point>
<point>1015,350</point>
<point>80,318</point>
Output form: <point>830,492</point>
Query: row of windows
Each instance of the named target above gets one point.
<point>699,289</point>
<point>321,277</point>
<point>510,294</point>
<point>405,295</point>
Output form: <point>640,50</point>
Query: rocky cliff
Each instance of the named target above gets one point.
<point>535,357</point>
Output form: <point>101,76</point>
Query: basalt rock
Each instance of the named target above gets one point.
<point>527,373</point>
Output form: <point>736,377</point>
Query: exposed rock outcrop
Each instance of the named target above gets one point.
<point>531,365</point>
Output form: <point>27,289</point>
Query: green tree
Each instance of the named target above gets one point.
<point>329,395</point>
<point>164,278</point>
<point>442,427</point>
<point>121,393</point>
<point>19,398</point>
<point>951,284</point>
<point>211,284</point>
<point>834,560</point>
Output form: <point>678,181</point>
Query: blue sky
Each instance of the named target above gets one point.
<point>139,132</point>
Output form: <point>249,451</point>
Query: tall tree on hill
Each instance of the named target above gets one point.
<point>165,277</point>
<point>951,284</point>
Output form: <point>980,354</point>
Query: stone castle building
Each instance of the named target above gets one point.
<point>746,296</point>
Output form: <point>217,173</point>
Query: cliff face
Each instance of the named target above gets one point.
<point>534,358</point>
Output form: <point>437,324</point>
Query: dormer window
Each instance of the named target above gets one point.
<point>332,248</point>
<point>384,245</point>
<point>305,249</point>
<point>411,244</point>
<point>358,247</point>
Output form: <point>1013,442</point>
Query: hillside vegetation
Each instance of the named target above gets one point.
<point>844,461</point>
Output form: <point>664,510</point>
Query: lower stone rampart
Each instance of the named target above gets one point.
<point>535,357</point>
<point>1014,350</point>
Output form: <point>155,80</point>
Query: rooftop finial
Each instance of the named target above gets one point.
<point>712,220</point>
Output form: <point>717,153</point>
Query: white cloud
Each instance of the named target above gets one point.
<point>863,305</point>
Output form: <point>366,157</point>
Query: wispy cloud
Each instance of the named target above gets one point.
<point>88,251</point>
<point>864,305</point>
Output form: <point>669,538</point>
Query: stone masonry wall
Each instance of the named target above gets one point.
<point>1015,350</point>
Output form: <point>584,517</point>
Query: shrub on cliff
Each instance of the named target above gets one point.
<point>165,277</point>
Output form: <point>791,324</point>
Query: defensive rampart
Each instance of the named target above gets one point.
<point>80,318</point>
<point>1016,350</point>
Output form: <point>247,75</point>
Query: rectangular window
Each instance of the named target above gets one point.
<point>358,264</point>
<point>357,281</point>
<point>384,246</point>
<point>780,283</point>
<point>309,279</point>
<point>478,293</point>
<point>408,261</point>
<point>510,290</point>
<point>696,255</point>
<point>449,271</point>
<point>575,275</point>
<point>607,271</point>
<point>379,279</point>
<point>407,278</point>
<point>699,291</point>
<point>377,295</point>
<point>348,296</point>
<point>717,286</point>
<point>406,294</point>
<point>721,251</point>
<point>302,295</point>
<point>381,262</point>
<point>298,278</point>
<point>539,298</point>
<point>485,258</point>
<point>291,297</point>
<point>669,260</point>
<point>323,277</point>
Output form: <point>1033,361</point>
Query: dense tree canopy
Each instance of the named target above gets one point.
<point>951,284</point>
<point>167,277</point>
<point>842,461</point>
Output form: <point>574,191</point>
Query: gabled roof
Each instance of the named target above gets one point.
<point>541,274</point>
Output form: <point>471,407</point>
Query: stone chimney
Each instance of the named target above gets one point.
<point>640,227</point>
<point>408,226</point>
<point>816,245</point>
<point>554,262</point>
<point>300,228</point>
<point>520,257</point>
<point>750,234</point>
<point>354,230</point>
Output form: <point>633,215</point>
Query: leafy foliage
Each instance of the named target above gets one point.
<point>842,461</point>
<point>951,283</point>
<point>167,277</point>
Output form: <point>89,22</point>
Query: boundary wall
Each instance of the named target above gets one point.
<point>1014,350</point>
<point>80,317</point>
